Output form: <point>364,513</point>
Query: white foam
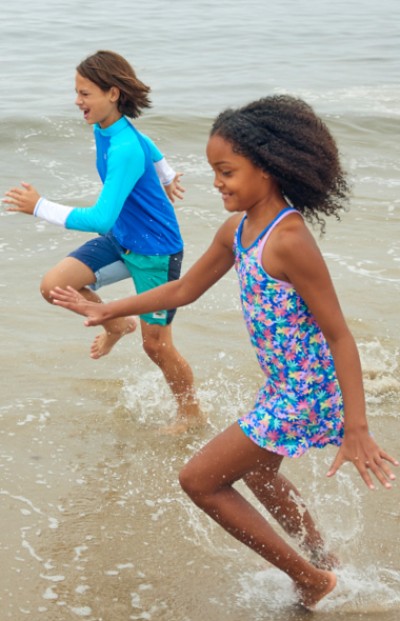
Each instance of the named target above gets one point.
<point>367,590</point>
<point>81,611</point>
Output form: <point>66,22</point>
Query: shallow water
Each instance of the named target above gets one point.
<point>93,522</point>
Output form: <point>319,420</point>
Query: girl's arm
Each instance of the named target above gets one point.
<point>303,265</point>
<point>211,266</point>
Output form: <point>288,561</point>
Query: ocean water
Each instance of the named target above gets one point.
<point>93,522</point>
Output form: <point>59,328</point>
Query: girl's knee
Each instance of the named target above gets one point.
<point>191,484</point>
<point>185,480</point>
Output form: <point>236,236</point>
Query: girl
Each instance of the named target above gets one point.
<point>275,164</point>
<point>138,224</point>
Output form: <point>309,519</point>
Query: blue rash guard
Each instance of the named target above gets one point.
<point>132,205</point>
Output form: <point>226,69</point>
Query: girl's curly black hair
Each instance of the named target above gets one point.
<point>283,136</point>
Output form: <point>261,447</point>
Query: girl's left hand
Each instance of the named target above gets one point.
<point>23,200</point>
<point>361,449</point>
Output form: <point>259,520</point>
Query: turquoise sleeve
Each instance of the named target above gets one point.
<point>155,152</point>
<point>125,166</point>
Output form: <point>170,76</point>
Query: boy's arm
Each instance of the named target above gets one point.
<point>166,174</point>
<point>175,189</point>
<point>123,171</point>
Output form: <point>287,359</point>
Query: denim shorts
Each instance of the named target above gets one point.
<point>110,263</point>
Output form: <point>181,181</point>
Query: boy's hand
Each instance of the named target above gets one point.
<point>175,189</point>
<point>22,199</point>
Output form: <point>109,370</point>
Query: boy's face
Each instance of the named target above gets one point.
<point>98,106</point>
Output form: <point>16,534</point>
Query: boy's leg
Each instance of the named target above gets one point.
<point>208,479</point>
<point>159,346</point>
<point>73,272</point>
<point>149,272</point>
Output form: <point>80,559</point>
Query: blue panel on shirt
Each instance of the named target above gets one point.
<point>132,204</point>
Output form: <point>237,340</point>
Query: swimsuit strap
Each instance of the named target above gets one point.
<point>281,215</point>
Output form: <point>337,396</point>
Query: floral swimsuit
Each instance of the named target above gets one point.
<point>300,404</point>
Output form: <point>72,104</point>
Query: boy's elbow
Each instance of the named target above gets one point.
<point>103,230</point>
<point>105,226</point>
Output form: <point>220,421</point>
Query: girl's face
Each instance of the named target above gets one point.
<point>97,106</point>
<point>242,185</point>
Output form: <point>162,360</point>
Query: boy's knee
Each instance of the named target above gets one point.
<point>45,287</point>
<point>150,348</point>
<point>155,348</point>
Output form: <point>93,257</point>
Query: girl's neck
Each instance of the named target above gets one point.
<point>265,212</point>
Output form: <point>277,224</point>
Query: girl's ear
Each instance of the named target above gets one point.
<point>114,94</point>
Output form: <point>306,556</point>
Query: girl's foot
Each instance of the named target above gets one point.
<point>103,343</point>
<point>310,594</point>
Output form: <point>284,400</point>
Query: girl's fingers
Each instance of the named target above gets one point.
<point>390,459</point>
<point>366,466</point>
<point>363,470</point>
<point>337,462</point>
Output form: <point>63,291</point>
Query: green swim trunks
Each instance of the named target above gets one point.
<point>150,271</point>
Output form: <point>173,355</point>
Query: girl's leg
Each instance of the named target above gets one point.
<point>208,479</point>
<point>71,271</point>
<point>283,501</point>
<point>159,346</point>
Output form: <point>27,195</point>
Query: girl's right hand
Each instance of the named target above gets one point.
<point>72,300</point>
<point>23,200</point>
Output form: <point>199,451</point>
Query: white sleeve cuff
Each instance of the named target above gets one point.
<point>165,173</point>
<point>52,212</point>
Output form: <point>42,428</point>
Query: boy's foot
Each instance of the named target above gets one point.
<point>185,424</point>
<point>103,343</point>
<point>309,595</point>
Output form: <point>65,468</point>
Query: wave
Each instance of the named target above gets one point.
<point>361,124</point>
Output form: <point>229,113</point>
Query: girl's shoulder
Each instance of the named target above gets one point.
<point>292,238</point>
<point>231,224</point>
<point>290,228</point>
<point>227,230</point>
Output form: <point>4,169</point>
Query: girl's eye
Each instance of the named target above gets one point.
<point>226,173</point>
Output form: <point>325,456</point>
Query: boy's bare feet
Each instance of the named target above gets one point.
<point>185,423</point>
<point>103,343</point>
<point>310,594</point>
